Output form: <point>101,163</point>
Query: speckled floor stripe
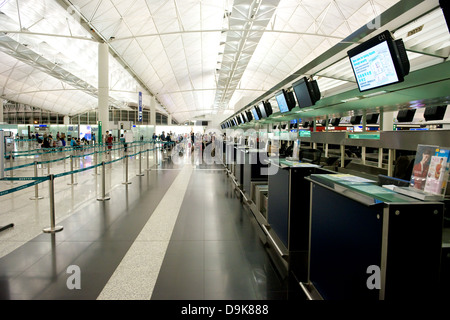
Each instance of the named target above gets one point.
<point>136,275</point>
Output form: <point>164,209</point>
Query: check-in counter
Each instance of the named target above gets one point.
<point>253,169</point>
<point>241,152</point>
<point>230,155</point>
<point>224,152</point>
<point>287,224</point>
<point>369,243</point>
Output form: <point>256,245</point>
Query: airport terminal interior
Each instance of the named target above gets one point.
<point>282,150</point>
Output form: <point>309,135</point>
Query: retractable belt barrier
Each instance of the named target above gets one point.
<point>51,177</point>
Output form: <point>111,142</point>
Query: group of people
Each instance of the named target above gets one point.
<point>48,142</point>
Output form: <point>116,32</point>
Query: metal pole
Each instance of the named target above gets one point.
<point>391,158</point>
<point>52,227</point>
<point>104,197</point>
<point>71,169</point>
<point>126,171</point>
<point>140,161</point>
<point>36,188</point>
<point>11,166</point>
<point>95,162</point>
<point>148,161</point>
<point>380,157</point>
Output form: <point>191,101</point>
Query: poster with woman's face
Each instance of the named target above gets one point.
<point>421,165</point>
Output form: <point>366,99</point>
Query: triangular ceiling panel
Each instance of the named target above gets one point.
<point>193,55</point>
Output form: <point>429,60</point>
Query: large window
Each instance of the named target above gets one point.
<point>18,113</point>
<point>15,113</point>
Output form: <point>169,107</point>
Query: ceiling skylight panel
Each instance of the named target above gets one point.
<point>105,12</point>
<point>189,14</point>
<point>166,19</point>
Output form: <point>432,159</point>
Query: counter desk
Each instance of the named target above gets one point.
<point>368,242</point>
<point>287,220</point>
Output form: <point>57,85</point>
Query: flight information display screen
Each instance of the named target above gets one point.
<point>374,67</point>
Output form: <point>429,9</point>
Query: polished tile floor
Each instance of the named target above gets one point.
<point>179,232</point>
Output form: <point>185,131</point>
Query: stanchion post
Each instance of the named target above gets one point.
<point>95,162</point>
<point>11,166</point>
<point>157,156</point>
<point>71,175</point>
<point>11,162</point>
<point>140,161</point>
<point>36,188</point>
<point>104,197</point>
<point>148,161</point>
<point>52,227</point>
<point>126,171</point>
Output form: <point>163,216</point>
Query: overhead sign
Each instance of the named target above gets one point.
<point>140,107</point>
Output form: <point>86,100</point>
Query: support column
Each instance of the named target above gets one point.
<point>152,111</point>
<point>103,86</point>
<point>1,109</point>
<point>388,121</point>
<point>66,120</point>
<point>388,125</point>
<point>169,120</point>
<point>314,130</point>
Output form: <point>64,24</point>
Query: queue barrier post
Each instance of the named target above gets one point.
<point>140,161</point>
<point>95,163</point>
<point>148,160</point>
<point>71,175</point>
<point>11,166</point>
<point>36,188</point>
<point>52,228</point>
<point>104,197</point>
<point>126,171</point>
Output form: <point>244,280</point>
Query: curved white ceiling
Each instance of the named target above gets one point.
<point>197,57</point>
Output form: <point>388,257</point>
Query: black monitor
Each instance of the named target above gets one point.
<point>262,110</point>
<point>293,124</point>
<point>307,92</point>
<point>244,117</point>
<point>372,118</point>
<point>256,113</point>
<point>285,101</point>
<point>445,6</point>
<point>267,107</point>
<point>335,122</point>
<point>406,115</point>
<point>355,120</point>
<point>249,115</point>
<point>305,124</point>
<point>434,113</point>
<point>379,62</point>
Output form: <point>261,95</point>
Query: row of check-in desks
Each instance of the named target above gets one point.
<point>340,236</point>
